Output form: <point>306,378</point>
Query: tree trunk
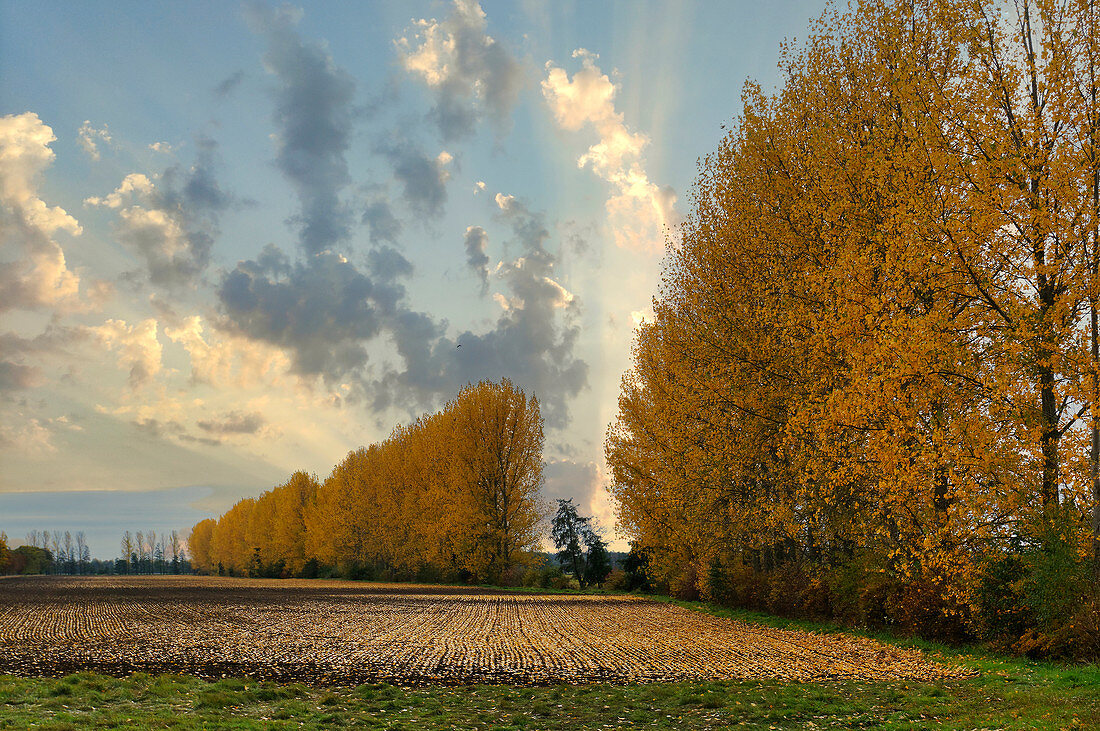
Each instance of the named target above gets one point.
<point>1094,456</point>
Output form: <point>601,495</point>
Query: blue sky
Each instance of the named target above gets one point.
<point>241,240</point>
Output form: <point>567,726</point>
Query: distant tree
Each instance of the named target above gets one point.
<point>68,554</point>
<point>5,553</point>
<point>128,552</point>
<point>174,551</point>
<point>199,543</point>
<point>498,461</point>
<point>160,555</point>
<point>454,494</point>
<point>34,560</point>
<point>56,552</point>
<point>82,552</point>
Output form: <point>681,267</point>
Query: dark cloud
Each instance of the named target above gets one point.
<point>323,312</point>
<point>273,261</point>
<point>529,227</point>
<point>208,441</point>
<point>199,440</point>
<point>423,178</point>
<point>470,74</point>
<point>384,226</point>
<point>198,191</point>
<point>157,428</point>
<point>476,243</point>
<point>234,422</point>
<point>532,342</point>
<point>229,85</point>
<point>387,266</point>
<point>15,373</point>
<point>16,376</point>
<point>313,112</point>
<point>54,339</point>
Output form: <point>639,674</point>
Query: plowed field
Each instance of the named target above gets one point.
<point>350,632</point>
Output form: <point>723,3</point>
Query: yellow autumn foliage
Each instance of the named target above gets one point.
<point>878,335</point>
<point>454,494</point>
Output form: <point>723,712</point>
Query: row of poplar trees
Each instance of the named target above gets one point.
<point>454,495</point>
<point>870,384</point>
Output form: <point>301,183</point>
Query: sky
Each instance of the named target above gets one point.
<point>242,240</point>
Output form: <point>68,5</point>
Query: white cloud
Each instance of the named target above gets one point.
<point>154,226</point>
<point>89,138</point>
<point>24,153</point>
<point>507,303</point>
<point>564,297</point>
<point>639,212</point>
<point>134,187</point>
<point>137,346</point>
<point>468,72</point>
<point>39,275</point>
<point>226,360</point>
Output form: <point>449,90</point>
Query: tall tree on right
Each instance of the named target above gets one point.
<point>878,334</point>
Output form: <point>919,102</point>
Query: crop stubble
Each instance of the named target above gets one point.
<point>349,632</point>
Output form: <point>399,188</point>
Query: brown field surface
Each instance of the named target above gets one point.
<point>352,632</point>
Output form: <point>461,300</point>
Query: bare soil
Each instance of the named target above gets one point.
<point>340,632</point>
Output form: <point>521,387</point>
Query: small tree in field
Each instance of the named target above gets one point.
<point>597,564</point>
<point>581,549</point>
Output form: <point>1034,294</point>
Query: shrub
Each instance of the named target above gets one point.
<point>618,580</point>
<point>685,585</point>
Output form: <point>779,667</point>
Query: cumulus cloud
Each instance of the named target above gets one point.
<point>224,360</point>
<point>476,243</point>
<point>313,113</point>
<point>90,137</point>
<point>137,346</point>
<point>640,212</point>
<point>33,271</point>
<point>469,73</point>
<point>170,224</point>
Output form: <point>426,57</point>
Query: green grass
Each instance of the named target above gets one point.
<point>1008,694</point>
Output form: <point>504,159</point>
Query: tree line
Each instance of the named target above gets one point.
<point>453,496</point>
<point>870,386</point>
<point>57,552</point>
